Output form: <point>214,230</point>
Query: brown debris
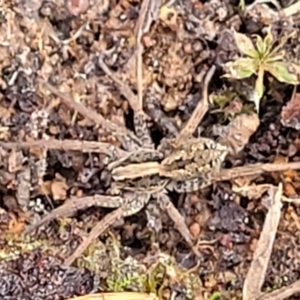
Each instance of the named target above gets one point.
<point>237,134</point>
<point>115,125</point>
<point>290,114</point>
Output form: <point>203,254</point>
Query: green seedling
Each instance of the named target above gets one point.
<point>260,58</point>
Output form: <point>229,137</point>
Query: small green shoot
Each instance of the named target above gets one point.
<point>215,296</point>
<point>261,58</point>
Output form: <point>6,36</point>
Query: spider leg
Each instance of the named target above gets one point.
<point>141,129</point>
<point>70,207</point>
<point>126,138</point>
<point>190,185</point>
<point>69,145</point>
<point>138,156</point>
<point>153,109</point>
<point>167,205</point>
<point>199,111</point>
<point>96,231</point>
<point>140,118</point>
<point>133,204</point>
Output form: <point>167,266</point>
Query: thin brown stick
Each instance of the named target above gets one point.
<point>118,296</point>
<point>97,230</point>
<point>255,169</point>
<point>257,271</point>
<point>148,13</point>
<point>199,111</point>
<point>90,114</point>
<point>282,293</point>
<point>67,145</point>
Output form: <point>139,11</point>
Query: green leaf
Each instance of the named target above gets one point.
<point>275,56</point>
<point>264,46</point>
<point>268,42</point>
<point>260,46</point>
<point>284,71</point>
<point>224,99</point>
<point>282,42</point>
<point>215,296</point>
<point>243,67</point>
<point>245,45</point>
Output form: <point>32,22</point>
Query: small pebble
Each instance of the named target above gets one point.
<point>195,229</point>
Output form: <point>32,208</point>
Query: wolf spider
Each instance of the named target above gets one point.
<point>139,171</point>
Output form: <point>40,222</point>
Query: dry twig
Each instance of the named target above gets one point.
<point>148,13</point>
<point>282,293</point>
<point>118,296</point>
<point>256,274</point>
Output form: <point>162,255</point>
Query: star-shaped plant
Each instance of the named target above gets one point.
<point>261,58</point>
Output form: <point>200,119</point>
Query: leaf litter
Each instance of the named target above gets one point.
<point>74,73</point>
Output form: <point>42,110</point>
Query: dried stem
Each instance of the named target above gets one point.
<point>148,13</point>
<point>282,293</point>
<point>257,271</point>
<point>118,295</point>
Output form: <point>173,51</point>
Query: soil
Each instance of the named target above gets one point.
<point>60,42</point>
